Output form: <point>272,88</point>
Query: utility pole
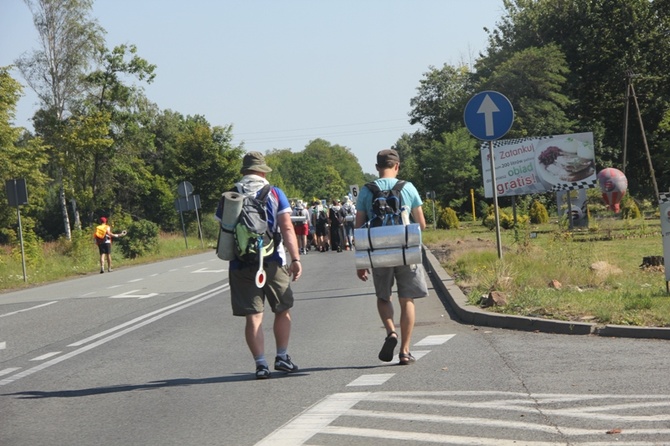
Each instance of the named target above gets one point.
<point>630,92</point>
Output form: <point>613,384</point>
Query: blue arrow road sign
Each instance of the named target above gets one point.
<point>488,115</point>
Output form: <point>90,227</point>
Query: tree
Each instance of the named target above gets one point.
<point>21,156</point>
<point>68,39</point>
<point>533,80</point>
<point>451,167</point>
<point>605,44</point>
<point>441,97</point>
<point>114,173</point>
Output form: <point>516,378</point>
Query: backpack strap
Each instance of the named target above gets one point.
<point>263,195</point>
<point>399,185</point>
<point>373,188</point>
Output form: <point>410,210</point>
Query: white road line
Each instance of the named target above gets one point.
<point>318,420</point>
<point>128,295</point>
<point>371,380</point>
<point>430,438</point>
<point>319,416</point>
<point>3,345</point>
<point>434,340</point>
<point>125,324</point>
<point>205,270</point>
<point>135,280</point>
<point>9,370</point>
<point>417,355</point>
<point>182,305</point>
<point>28,309</point>
<point>45,356</point>
<point>420,354</point>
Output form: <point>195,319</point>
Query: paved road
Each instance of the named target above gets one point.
<point>150,355</point>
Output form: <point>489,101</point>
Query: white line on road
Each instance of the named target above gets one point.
<point>420,354</point>
<point>3,345</point>
<point>135,280</point>
<point>119,327</point>
<point>28,309</point>
<point>429,438</point>
<point>9,370</point>
<point>434,340</point>
<point>303,427</point>
<point>45,356</point>
<point>176,307</point>
<point>205,270</point>
<point>371,380</point>
<point>129,295</point>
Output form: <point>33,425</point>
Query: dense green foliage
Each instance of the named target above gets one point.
<point>448,219</point>
<point>101,147</point>
<point>538,213</point>
<point>142,238</point>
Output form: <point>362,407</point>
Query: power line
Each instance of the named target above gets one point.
<point>324,135</point>
<point>322,127</point>
<point>310,133</point>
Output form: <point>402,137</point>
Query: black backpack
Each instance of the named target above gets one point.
<point>385,204</point>
<point>322,216</point>
<point>252,234</point>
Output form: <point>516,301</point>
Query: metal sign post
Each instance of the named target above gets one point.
<point>185,203</point>
<point>489,116</point>
<point>17,194</point>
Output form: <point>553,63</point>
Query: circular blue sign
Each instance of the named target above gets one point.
<point>488,115</point>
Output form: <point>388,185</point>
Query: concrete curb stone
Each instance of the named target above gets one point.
<point>453,297</point>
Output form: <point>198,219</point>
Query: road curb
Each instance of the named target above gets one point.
<point>451,295</point>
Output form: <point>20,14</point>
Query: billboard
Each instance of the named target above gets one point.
<point>541,164</point>
<point>664,205</point>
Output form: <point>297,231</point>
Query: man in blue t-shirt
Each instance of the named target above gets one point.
<point>248,300</point>
<point>410,279</point>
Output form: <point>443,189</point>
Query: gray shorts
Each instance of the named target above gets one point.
<point>247,299</point>
<point>411,280</point>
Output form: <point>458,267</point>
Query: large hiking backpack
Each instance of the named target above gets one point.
<point>386,204</point>
<point>253,237</point>
<point>321,216</point>
<point>100,233</point>
<point>348,210</point>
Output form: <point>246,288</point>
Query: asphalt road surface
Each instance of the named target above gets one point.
<point>151,355</point>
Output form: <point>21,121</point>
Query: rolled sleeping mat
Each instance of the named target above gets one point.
<point>389,257</point>
<point>232,207</point>
<point>298,219</point>
<point>382,237</point>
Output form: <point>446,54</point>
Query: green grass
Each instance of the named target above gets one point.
<point>622,293</point>
<point>532,258</point>
<point>62,259</point>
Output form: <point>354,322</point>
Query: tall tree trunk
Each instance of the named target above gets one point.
<point>66,217</point>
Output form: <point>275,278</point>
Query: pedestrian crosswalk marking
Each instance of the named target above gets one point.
<point>371,380</point>
<point>434,340</point>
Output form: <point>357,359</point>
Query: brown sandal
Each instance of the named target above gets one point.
<point>406,358</point>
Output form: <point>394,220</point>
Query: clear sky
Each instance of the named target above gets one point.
<point>283,72</point>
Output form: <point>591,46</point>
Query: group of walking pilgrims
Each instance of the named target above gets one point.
<point>324,227</point>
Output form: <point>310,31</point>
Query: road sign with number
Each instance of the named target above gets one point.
<point>488,115</point>
<point>353,189</point>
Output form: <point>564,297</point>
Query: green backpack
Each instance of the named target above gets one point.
<point>252,235</point>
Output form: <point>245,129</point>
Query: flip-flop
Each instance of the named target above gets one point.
<point>386,353</point>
